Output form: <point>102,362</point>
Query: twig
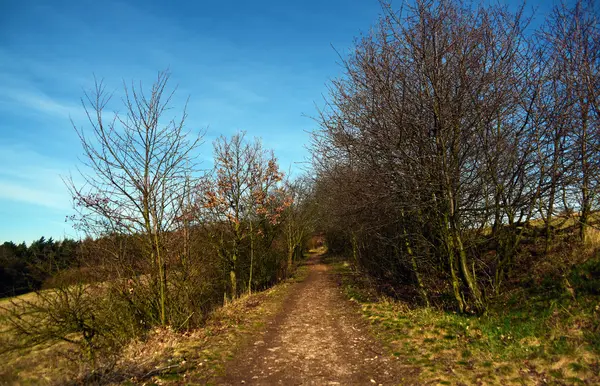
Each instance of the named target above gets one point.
<point>378,353</point>
<point>158,371</point>
<point>185,321</point>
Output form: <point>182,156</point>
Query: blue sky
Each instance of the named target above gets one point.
<point>258,66</point>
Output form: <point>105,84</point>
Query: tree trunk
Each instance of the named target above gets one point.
<point>468,276</point>
<point>251,258</point>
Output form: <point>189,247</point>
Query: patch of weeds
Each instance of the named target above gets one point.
<point>504,369</point>
<point>593,339</point>
<point>561,346</point>
<point>466,354</point>
<point>511,336</point>
<point>356,294</point>
<point>577,367</point>
<point>558,374</point>
<point>574,380</point>
<point>586,277</point>
<point>300,274</point>
<point>170,377</point>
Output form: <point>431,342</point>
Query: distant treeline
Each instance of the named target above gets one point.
<point>25,268</point>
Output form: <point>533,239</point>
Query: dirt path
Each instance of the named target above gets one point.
<point>318,339</point>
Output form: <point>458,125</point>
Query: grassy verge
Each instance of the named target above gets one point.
<point>526,338</point>
<point>163,356</point>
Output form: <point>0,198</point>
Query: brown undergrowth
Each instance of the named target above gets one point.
<point>162,356</point>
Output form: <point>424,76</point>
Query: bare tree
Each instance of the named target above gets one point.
<point>431,124</point>
<point>135,166</point>
<point>573,39</point>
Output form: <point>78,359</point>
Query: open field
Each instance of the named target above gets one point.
<point>162,355</point>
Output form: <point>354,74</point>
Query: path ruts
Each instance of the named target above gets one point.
<point>317,339</point>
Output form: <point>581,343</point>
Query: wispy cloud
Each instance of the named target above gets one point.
<point>32,195</point>
<point>32,178</point>
<point>28,100</point>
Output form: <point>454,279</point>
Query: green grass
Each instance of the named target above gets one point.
<point>524,338</point>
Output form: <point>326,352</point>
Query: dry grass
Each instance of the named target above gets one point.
<point>459,350</point>
<point>527,342</point>
<point>162,356</point>
<point>592,239</point>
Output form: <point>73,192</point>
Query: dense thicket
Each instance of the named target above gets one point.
<point>453,127</point>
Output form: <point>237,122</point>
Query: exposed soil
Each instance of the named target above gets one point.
<point>318,339</point>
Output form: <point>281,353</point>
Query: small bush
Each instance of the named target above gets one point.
<point>78,315</point>
<point>585,278</point>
